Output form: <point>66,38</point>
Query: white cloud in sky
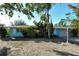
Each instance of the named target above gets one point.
<point>4,20</point>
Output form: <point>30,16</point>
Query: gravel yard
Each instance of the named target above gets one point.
<point>39,47</point>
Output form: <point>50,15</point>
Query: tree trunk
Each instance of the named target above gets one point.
<point>48,32</point>
<point>47,21</point>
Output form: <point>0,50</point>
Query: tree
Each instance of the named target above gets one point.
<point>41,27</point>
<point>28,10</point>
<point>61,23</point>
<point>45,8</point>
<point>51,28</point>
<point>3,31</point>
<point>75,9</point>
<point>75,22</point>
<point>18,22</point>
<point>9,9</point>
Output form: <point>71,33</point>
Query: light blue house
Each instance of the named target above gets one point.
<point>14,32</point>
<point>62,32</point>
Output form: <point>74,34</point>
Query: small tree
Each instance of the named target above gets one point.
<point>61,23</point>
<point>41,27</point>
<point>75,24</point>
<point>3,32</point>
<point>18,22</point>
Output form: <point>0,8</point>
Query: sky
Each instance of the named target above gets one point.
<point>57,13</point>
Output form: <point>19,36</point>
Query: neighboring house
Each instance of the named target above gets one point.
<point>15,33</point>
<point>61,31</point>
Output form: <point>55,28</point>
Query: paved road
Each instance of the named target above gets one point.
<point>74,40</point>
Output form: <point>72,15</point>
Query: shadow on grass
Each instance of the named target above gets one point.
<point>64,53</point>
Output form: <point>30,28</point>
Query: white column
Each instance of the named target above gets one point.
<point>67,35</point>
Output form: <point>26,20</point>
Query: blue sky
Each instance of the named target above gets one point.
<point>57,13</point>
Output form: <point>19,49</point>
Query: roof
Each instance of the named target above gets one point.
<point>65,27</point>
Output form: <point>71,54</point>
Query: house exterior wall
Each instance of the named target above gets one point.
<point>62,32</point>
<point>15,33</point>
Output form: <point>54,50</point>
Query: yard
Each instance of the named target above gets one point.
<point>39,47</point>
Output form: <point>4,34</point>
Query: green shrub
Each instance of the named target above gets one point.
<point>24,32</point>
<point>74,32</point>
<point>31,33</point>
<point>3,32</point>
<point>28,31</point>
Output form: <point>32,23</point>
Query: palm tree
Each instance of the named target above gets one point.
<point>75,21</point>
<point>61,23</point>
<point>75,9</point>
